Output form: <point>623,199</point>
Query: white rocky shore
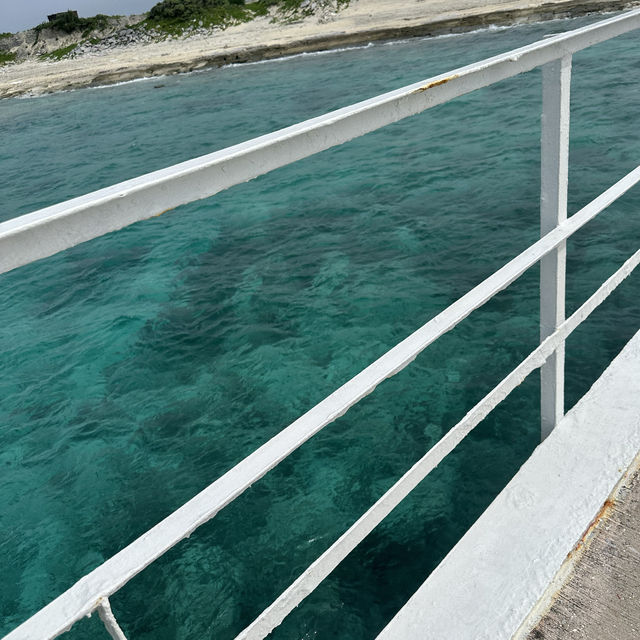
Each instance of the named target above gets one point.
<point>125,51</point>
<point>127,31</point>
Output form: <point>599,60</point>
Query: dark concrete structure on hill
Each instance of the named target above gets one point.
<point>56,16</point>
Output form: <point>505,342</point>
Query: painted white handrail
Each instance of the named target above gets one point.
<point>45,232</point>
<point>273,615</point>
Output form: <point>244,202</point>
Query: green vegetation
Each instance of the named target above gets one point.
<point>293,7</point>
<point>6,57</point>
<point>188,9</point>
<point>68,22</point>
<point>175,16</point>
<point>6,34</point>
<point>58,54</point>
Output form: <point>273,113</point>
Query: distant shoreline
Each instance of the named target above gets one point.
<point>363,21</point>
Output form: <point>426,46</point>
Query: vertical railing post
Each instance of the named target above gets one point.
<point>109,620</point>
<point>556,81</point>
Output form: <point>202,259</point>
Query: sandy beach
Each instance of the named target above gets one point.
<point>360,22</point>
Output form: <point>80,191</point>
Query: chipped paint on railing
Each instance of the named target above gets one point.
<point>436,83</point>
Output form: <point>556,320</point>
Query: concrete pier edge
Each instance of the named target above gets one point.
<point>490,582</point>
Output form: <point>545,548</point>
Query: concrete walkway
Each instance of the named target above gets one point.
<point>600,598</point>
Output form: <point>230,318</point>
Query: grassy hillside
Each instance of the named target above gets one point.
<point>172,15</point>
<point>175,15</point>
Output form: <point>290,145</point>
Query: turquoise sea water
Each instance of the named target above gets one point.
<point>139,367</point>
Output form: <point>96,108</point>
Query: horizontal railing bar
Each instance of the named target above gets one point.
<point>311,578</point>
<point>82,597</point>
<point>45,232</point>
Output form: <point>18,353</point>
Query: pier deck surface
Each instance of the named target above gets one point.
<point>511,566</point>
<point>600,599</point>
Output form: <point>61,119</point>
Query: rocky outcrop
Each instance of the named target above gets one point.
<point>124,31</point>
<point>34,43</point>
<point>121,38</point>
<point>326,10</point>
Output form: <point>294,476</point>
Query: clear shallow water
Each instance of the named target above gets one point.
<point>139,367</point>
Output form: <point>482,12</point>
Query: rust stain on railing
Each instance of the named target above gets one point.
<point>437,83</point>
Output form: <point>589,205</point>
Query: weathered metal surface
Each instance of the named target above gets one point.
<point>597,596</point>
<point>53,229</point>
<point>435,83</point>
<point>487,585</point>
<point>554,172</point>
<point>331,558</point>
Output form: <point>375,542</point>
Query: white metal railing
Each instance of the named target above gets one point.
<point>48,231</point>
